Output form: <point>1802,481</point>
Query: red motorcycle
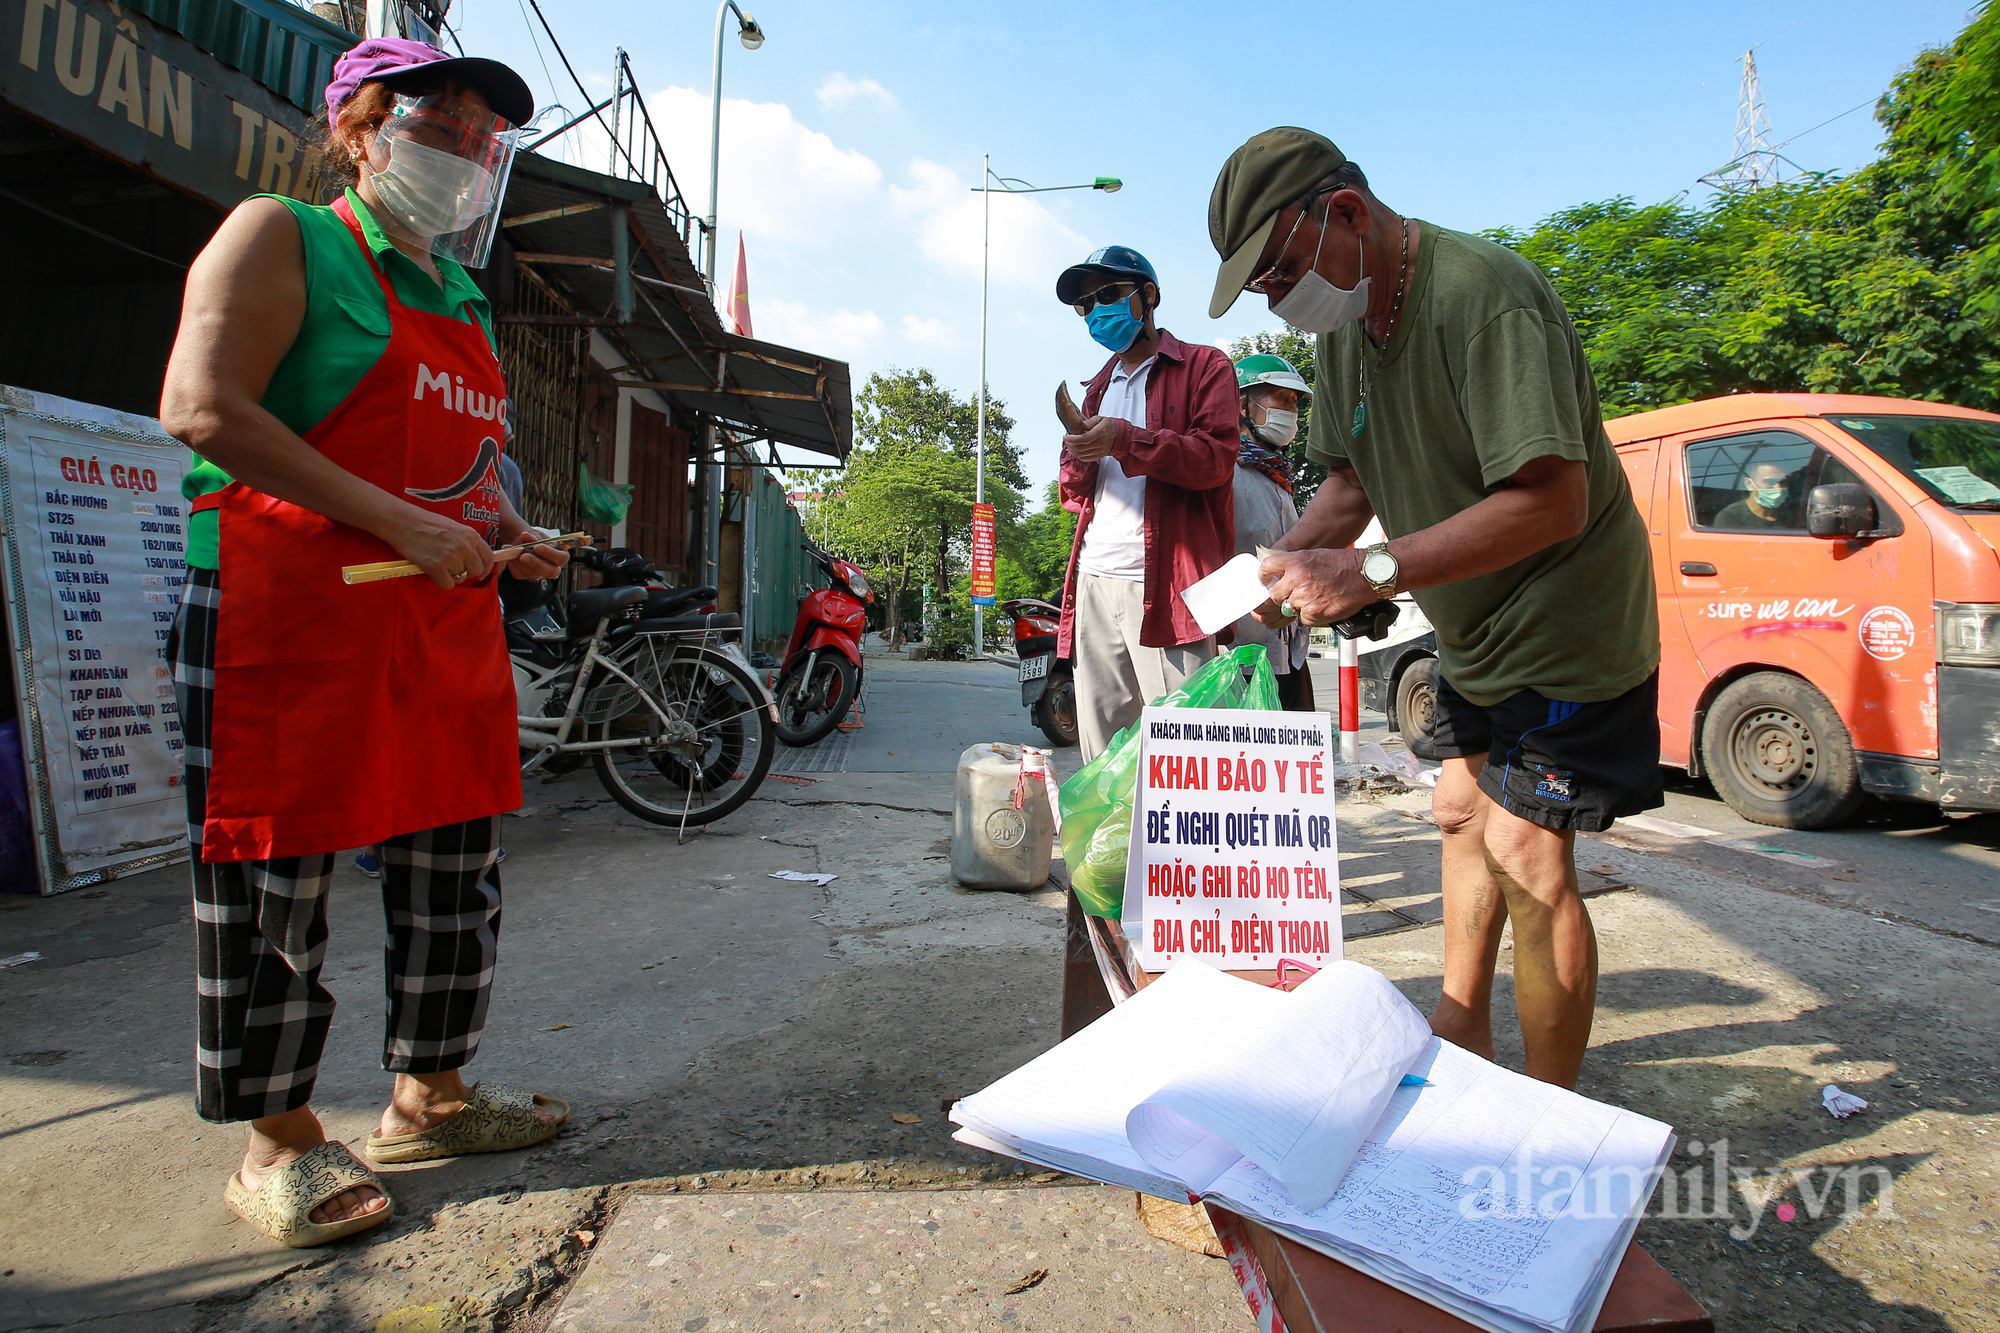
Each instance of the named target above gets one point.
<point>822,669</point>
<point>1048,686</point>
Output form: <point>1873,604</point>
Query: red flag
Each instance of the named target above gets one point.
<point>737,310</point>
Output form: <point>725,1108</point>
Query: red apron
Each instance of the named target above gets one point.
<point>343,714</point>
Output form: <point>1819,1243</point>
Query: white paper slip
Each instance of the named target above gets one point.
<point>1227,595</point>
<point>1297,1099</point>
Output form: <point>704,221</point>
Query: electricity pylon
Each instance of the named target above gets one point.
<point>1756,163</point>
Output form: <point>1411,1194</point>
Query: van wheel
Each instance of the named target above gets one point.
<point>1778,753</point>
<point>1417,703</point>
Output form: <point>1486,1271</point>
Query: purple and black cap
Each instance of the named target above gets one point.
<point>392,59</point>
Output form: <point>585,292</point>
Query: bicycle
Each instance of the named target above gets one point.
<point>670,713</point>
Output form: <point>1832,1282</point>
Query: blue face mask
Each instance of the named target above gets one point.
<point>1113,327</point>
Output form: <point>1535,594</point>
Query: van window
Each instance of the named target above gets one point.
<point>1754,482</point>
<point>1955,459</point>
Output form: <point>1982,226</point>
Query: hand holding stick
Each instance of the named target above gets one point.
<point>402,569</point>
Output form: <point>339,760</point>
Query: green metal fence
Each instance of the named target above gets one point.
<point>784,574</point>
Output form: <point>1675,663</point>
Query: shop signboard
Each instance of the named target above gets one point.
<point>95,531</point>
<point>982,555</point>
<point>144,95</point>
<point>1233,859</point>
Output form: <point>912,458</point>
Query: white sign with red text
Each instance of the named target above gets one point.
<point>1233,859</point>
<point>94,541</point>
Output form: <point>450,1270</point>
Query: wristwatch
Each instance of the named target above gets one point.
<point>1380,569</point>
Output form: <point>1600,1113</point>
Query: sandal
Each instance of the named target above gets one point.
<point>494,1119</point>
<point>281,1205</point>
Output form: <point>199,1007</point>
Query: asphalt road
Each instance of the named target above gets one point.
<point>1906,863</point>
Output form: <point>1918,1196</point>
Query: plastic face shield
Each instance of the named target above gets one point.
<point>439,165</point>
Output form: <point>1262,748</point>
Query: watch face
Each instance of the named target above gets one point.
<point>1379,567</point>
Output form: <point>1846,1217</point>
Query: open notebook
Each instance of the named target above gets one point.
<point>1505,1200</point>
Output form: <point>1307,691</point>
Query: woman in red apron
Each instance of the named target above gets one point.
<point>334,374</point>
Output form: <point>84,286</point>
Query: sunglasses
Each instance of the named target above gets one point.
<point>1275,276</point>
<point>1111,294</point>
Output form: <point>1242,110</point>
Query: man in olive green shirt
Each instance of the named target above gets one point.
<point>1454,401</point>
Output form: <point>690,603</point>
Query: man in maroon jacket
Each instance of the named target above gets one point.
<point>1150,480</point>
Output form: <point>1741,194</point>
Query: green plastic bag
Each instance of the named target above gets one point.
<point>1097,800</point>
<point>601,501</point>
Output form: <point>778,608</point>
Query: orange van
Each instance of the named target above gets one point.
<point>1829,595</point>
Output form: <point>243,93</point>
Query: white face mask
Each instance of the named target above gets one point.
<point>1279,429</point>
<point>430,191</point>
<point>1314,305</point>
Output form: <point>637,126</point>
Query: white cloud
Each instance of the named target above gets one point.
<point>780,181</point>
<point>844,333</point>
<point>1030,245</point>
<point>929,330</point>
<point>839,90</point>
<point>824,222</point>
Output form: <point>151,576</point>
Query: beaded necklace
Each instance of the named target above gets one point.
<point>1395,317</point>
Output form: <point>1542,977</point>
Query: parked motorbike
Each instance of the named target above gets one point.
<point>1048,687</point>
<point>821,674</point>
<point>644,681</point>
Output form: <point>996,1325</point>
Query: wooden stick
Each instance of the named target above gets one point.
<point>402,569</point>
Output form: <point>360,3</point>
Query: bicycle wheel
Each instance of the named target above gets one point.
<point>706,728</point>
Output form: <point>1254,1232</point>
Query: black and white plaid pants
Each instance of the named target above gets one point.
<point>260,930</point>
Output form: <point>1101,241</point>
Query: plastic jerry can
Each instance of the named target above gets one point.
<point>993,845</point>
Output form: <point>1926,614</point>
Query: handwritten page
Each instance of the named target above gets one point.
<point>1485,1184</point>
<point>1297,1097</point>
<point>1227,595</point>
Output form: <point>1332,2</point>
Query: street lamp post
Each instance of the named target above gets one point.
<point>752,37</point>
<point>1008,185</point>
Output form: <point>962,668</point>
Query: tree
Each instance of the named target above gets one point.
<point>906,514</point>
<point>1883,281</point>
<point>1035,557</point>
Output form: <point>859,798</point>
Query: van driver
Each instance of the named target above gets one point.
<point>1764,484</point>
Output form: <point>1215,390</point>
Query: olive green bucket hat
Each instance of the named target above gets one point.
<point>1272,170</point>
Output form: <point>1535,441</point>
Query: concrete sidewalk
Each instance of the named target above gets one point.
<point>719,1033</point>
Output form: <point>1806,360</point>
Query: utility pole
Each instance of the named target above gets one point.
<point>979,447</point>
<point>709,474</point>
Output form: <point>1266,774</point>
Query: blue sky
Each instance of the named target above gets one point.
<point>852,138</point>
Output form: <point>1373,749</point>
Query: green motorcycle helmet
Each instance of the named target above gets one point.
<point>1264,368</point>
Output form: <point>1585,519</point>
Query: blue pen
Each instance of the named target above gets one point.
<point>1413,1081</point>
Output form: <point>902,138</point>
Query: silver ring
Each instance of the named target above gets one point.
<point>1286,609</point>
<point>460,578</point>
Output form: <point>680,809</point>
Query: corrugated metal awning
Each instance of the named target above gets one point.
<point>288,50</point>
<point>619,259</point>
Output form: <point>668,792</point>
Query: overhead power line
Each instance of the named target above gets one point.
<point>1824,123</point>
<point>561,54</point>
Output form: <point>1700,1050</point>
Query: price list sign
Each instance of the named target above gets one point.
<point>96,538</point>
<point>1232,856</point>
